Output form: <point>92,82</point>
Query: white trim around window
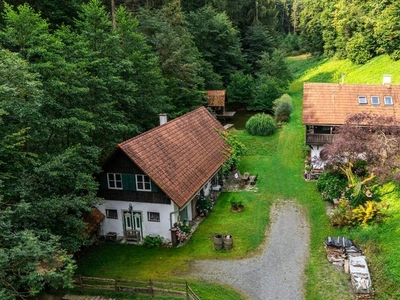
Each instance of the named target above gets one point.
<point>114,181</point>
<point>362,99</point>
<point>375,100</point>
<point>388,100</point>
<point>153,216</point>
<point>143,183</point>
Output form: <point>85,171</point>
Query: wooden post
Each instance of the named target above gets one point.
<point>187,291</point>
<point>115,285</point>
<point>80,282</point>
<point>151,288</point>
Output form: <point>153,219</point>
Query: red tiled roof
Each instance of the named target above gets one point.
<point>216,98</point>
<point>332,103</point>
<point>181,155</point>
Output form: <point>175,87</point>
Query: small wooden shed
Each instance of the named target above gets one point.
<point>216,100</point>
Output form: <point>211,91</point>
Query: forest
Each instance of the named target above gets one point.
<point>77,77</point>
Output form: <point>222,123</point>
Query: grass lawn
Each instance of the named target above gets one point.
<point>278,160</point>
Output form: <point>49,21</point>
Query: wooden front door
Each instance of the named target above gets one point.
<point>133,226</point>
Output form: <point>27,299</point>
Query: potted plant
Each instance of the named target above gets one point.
<point>240,206</point>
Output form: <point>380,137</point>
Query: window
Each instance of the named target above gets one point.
<point>388,100</point>
<point>114,181</point>
<point>362,99</point>
<point>112,214</point>
<point>143,183</point>
<point>375,100</point>
<point>153,216</point>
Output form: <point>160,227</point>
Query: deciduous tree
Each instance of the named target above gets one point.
<point>369,137</point>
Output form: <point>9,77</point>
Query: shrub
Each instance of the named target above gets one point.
<point>283,107</point>
<point>261,124</point>
<point>341,215</point>
<point>204,205</point>
<point>346,215</point>
<point>152,241</point>
<point>370,211</point>
<point>182,230</point>
<point>331,185</point>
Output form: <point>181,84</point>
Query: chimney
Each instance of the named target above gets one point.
<point>163,119</point>
<point>343,75</point>
<point>387,79</point>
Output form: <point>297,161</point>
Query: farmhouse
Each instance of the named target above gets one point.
<point>326,106</point>
<point>154,180</point>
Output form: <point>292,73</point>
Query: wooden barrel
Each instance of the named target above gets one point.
<point>217,242</point>
<point>228,242</point>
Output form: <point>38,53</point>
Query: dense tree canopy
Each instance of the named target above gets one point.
<point>358,30</point>
<point>75,81</point>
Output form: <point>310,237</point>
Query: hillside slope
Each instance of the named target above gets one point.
<point>380,242</point>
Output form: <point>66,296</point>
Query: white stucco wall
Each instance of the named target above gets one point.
<point>117,225</point>
<point>169,215</point>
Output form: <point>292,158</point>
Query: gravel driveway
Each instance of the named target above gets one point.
<point>277,273</point>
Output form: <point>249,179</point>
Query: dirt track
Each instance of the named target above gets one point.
<point>277,273</point>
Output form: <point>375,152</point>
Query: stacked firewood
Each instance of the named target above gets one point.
<point>336,256</point>
<point>341,252</point>
<point>364,297</point>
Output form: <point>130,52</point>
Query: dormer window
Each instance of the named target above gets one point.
<point>388,100</point>
<point>114,181</point>
<point>362,99</point>
<point>375,100</point>
<point>143,183</point>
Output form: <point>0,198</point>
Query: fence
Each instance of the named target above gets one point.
<point>147,287</point>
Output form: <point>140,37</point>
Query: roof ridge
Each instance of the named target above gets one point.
<point>159,126</point>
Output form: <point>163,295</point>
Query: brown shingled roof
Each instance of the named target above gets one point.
<point>216,98</point>
<point>181,155</point>
<point>332,103</point>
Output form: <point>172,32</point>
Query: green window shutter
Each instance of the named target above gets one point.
<point>128,182</point>
<point>154,187</point>
<point>103,181</point>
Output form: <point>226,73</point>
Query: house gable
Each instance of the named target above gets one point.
<point>119,164</point>
<point>181,155</point>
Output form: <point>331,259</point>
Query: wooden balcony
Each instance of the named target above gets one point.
<point>319,139</point>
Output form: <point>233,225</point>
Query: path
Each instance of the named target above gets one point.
<point>278,272</point>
